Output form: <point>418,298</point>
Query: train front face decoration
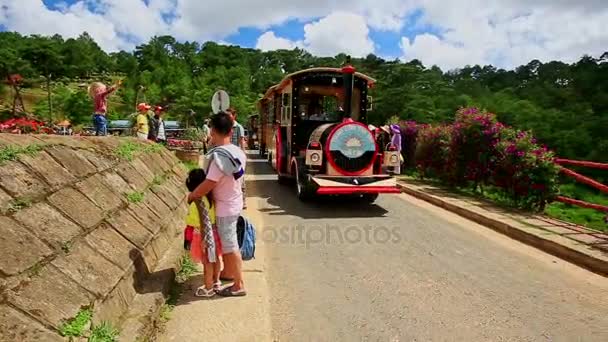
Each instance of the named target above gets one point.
<point>313,130</point>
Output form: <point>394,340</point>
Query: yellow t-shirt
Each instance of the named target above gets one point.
<point>142,124</point>
<point>193,218</point>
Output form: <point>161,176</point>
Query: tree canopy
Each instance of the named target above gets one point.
<point>565,105</point>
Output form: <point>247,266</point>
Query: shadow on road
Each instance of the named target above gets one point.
<point>283,200</point>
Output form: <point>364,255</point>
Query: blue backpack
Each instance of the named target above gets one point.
<point>245,233</point>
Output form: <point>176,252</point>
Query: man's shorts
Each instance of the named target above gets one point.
<point>226,227</point>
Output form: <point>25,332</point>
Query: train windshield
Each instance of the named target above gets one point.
<point>325,103</point>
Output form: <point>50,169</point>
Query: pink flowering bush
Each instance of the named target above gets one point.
<point>409,135</point>
<point>524,169</point>
<point>474,136</point>
<point>433,150</point>
<point>477,150</point>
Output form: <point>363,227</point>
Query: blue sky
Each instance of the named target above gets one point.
<point>450,34</point>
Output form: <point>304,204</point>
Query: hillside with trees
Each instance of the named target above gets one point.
<point>565,105</point>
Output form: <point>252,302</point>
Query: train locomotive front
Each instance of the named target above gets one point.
<point>314,132</point>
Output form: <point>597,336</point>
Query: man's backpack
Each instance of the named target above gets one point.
<point>245,233</point>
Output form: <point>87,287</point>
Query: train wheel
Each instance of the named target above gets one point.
<point>304,189</point>
<point>370,198</point>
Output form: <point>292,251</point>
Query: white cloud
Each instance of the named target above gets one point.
<point>339,32</point>
<point>503,32</point>
<point>509,33</point>
<point>269,41</point>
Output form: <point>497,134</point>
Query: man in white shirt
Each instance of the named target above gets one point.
<point>238,139</point>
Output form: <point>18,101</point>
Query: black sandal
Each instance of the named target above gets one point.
<point>227,292</point>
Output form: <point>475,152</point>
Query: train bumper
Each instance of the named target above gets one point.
<point>337,185</point>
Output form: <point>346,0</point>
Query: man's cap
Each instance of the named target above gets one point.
<point>143,106</point>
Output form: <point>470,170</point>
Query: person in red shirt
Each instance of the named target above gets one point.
<point>99,92</point>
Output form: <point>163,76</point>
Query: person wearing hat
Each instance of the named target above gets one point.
<point>157,126</point>
<point>142,121</point>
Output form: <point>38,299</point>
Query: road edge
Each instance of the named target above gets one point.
<point>553,244</point>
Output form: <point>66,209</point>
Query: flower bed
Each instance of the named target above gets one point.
<point>23,125</point>
<point>477,150</point>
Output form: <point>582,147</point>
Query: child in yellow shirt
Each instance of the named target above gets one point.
<point>205,246</point>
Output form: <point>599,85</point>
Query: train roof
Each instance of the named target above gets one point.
<point>286,79</point>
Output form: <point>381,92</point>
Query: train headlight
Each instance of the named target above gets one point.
<point>394,159</point>
<point>314,157</point>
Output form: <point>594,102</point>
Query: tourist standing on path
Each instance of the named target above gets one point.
<point>238,139</point>
<point>99,92</point>
<point>157,126</point>
<point>225,165</point>
<point>141,123</point>
<point>396,141</point>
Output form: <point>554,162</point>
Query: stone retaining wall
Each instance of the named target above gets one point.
<point>83,222</point>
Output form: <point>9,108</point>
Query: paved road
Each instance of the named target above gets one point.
<point>402,270</point>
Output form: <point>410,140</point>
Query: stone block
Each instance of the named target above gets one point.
<point>145,216</point>
<point>128,285</point>
<point>17,327</point>
<point>89,269</point>
<point>150,258</point>
<point>95,189</point>
<point>161,162</point>
<point>77,207</point>
<point>5,201</point>
<point>111,245</point>
<point>51,296</point>
<point>73,161</point>
<point>168,195</point>
<point>156,205</point>
<point>53,173</point>
<point>109,144</point>
<point>101,161</point>
<point>20,247</point>
<point>180,171</point>
<point>19,139</point>
<point>169,157</point>
<point>132,176</point>
<point>19,182</point>
<point>110,310</point>
<point>160,245</point>
<point>116,183</point>
<point>71,141</point>
<point>48,224</point>
<point>130,228</point>
<point>152,163</point>
<point>143,170</point>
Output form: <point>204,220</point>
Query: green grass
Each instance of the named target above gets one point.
<point>76,326</point>
<point>186,269</point>
<point>190,165</point>
<point>104,332</point>
<point>129,149</point>
<point>135,197</point>
<point>10,152</point>
<point>159,179</point>
<point>18,204</point>
<point>585,217</point>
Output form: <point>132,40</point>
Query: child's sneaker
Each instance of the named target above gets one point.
<point>203,292</point>
<point>217,286</point>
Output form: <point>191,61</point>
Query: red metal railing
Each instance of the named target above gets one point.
<point>585,180</point>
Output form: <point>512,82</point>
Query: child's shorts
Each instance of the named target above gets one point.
<point>196,250</point>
